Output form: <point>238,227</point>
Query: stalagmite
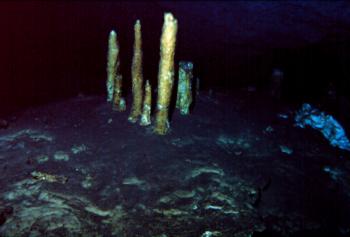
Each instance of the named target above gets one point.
<point>118,100</point>
<point>166,73</point>
<point>136,74</point>
<point>184,90</point>
<point>146,113</point>
<point>111,64</point>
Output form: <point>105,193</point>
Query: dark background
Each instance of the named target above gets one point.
<point>55,50</point>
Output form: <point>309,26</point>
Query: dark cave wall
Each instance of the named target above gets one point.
<point>53,50</point>
<point>310,70</point>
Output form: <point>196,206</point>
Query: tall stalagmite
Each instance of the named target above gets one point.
<point>118,100</point>
<point>184,89</point>
<point>166,73</point>
<point>114,78</point>
<point>111,64</point>
<point>136,74</point>
<point>147,102</point>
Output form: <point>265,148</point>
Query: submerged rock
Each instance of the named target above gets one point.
<point>225,140</point>
<point>325,123</point>
<point>166,199</point>
<point>224,199</point>
<point>177,195</point>
<point>23,189</point>
<point>31,220</point>
<point>97,211</point>
<point>39,211</point>
<point>134,181</point>
<point>205,170</point>
<point>334,173</point>
<point>171,212</point>
<point>76,149</point>
<point>184,194</point>
<point>212,207</point>
<point>286,150</point>
<point>182,142</point>
<point>41,158</point>
<point>231,144</point>
<point>211,234</point>
<point>49,177</point>
<point>116,220</point>
<point>24,139</point>
<point>87,182</point>
<point>61,156</point>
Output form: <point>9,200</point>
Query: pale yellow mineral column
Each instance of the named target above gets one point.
<point>118,100</point>
<point>166,73</point>
<point>111,64</point>
<point>136,74</point>
<point>147,102</point>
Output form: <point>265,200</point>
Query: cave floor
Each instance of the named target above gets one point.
<point>234,167</point>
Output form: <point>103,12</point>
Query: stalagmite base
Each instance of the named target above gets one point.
<point>184,90</point>
<point>146,113</point>
<point>166,73</point>
<point>118,100</point>
<point>136,74</point>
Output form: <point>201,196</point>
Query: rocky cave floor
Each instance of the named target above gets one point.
<point>234,167</point>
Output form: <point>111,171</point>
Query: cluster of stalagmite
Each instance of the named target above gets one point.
<point>142,94</point>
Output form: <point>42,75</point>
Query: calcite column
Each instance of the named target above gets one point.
<point>136,74</point>
<point>184,89</point>
<point>111,64</point>
<point>166,73</point>
<point>114,78</point>
<point>147,103</point>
